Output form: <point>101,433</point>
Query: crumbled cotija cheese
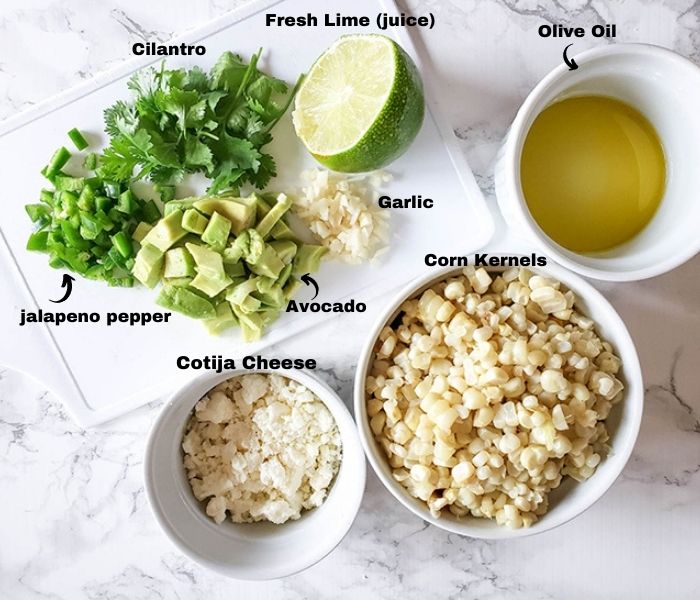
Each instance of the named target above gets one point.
<point>340,211</point>
<point>262,448</point>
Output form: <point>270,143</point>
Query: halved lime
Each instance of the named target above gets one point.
<point>361,105</point>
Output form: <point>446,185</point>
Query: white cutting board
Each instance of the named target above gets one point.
<point>101,372</point>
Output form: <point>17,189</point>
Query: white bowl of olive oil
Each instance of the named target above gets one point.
<point>600,166</point>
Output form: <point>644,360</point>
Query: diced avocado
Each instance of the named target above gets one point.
<point>211,277</point>
<point>141,230</point>
<point>241,215</point>
<point>274,215</point>
<point>148,265</point>
<point>286,249</point>
<point>234,253</point>
<point>166,232</point>
<point>185,301</point>
<point>268,264</point>
<point>308,258</point>
<point>249,246</point>
<point>240,296</point>
<point>179,281</point>
<point>217,231</point>
<point>223,320</point>
<point>284,275</point>
<point>273,298</point>
<point>280,231</point>
<point>182,204</point>
<point>251,200</point>
<point>269,315</point>
<point>178,263</point>
<point>251,325</point>
<point>290,287</point>
<point>234,270</point>
<point>194,221</point>
<point>265,284</point>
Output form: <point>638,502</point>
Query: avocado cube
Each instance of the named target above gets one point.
<point>234,270</point>
<point>280,230</point>
<point>242,216</point>
<point>211,277</point>
<point>251,325</point>
<point>216,232</point>
<point>185,301</point>
<point>268,265</point>
<point>166,232</point>
<point>178,263</point>
<point>194,221</point>
<point>148,265</point>
<point>273,298</point>
<point>141,231</point>
<point>286,250</point>
<point>284,275</point>
<point>223,320</point>
<point>274,215</point>
<point>291,287</point>
<point>308,258</point>
<point>182,204</point>
<point>240,297</point>
<point>178,281</point>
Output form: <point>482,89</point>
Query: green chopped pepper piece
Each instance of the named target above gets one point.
<point>37,241</point>
<point>46,196</point>
<point>38,212</point>
<point>123,244</point>
<point>151,213</point>
<point>103,203</point>
<point>78,139</point>
<point>86,199</point>
<point>57,162</point>
<point>69,184</point>
<point>90,162</point>
<point>127,202</point>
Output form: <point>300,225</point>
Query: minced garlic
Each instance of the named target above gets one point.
<point>340,210</point>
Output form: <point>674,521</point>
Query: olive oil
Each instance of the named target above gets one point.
<point>593,172</point>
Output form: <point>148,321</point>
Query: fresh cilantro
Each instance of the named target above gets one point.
<point>185,121</point>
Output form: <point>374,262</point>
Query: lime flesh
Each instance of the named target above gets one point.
<point>361,105</point>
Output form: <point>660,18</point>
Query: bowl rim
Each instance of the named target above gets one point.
<point>378,462</point>
<point>340,413</point>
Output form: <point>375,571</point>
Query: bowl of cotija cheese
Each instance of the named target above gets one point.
<point>255,474</point>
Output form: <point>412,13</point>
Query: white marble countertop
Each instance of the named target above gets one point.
<point>74,521</point>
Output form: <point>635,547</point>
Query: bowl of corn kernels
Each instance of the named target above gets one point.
<point>499,402</point>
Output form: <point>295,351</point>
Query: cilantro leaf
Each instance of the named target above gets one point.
<point>197,153</point>
<point>187,121</point>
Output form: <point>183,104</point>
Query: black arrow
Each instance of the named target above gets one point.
<point>308,280</point>
<point>570,63</point>
<point>68,284</point>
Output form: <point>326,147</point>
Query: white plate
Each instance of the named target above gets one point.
<point>101,372</point>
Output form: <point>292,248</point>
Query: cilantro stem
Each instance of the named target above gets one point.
<point>295,89</point>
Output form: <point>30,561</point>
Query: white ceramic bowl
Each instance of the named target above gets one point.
<point>252,550</point>
<point>571,498</point>
<point>665,87</point>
